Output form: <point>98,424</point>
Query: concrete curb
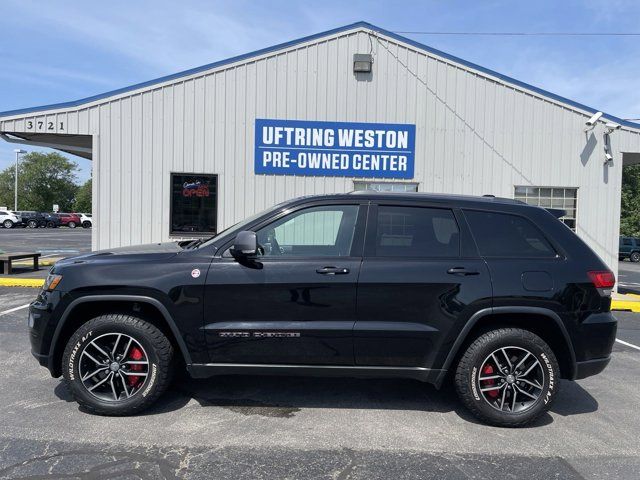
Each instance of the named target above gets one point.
<point>21,282</point>
<point>627,303</point>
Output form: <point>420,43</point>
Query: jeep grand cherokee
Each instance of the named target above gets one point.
<point>496,296</point>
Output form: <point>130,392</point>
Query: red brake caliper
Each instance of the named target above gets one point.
<point>136,354</point>
<point>488,370</point>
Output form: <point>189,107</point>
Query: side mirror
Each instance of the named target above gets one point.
<point>245,244</point>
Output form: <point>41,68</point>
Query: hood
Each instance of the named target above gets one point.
<point>158,249</point>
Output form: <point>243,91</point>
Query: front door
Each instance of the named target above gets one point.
<point>295,303</point>
<point>420,281</point>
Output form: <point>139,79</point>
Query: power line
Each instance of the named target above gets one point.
<point>528,34</point>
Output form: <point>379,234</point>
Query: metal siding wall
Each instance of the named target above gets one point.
<point>474,135</point>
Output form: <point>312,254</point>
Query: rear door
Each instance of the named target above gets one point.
<point>525,266</point>
<point>421,279</point>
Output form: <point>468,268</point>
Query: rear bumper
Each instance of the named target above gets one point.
<point>593,342</point>
<point>591,367</point>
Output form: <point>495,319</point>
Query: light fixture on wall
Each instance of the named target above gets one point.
<point>362,63</point>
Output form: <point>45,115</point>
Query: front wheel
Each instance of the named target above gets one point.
<point>7,224</point>
<point>508,377</point>
<point>635,257</point>
<point>117,364</point>
<point>86,224</point>
<point>71,224</point>
<point>32,224</point>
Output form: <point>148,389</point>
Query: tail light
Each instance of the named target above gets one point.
<point>602,279</point>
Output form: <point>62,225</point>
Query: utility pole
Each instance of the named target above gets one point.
<point>15,196</point>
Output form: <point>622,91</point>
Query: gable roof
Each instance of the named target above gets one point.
<point>282,46</point>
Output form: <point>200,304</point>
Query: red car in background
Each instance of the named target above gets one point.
<point>70,220</point>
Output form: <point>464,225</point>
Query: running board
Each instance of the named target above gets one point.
<point>205,370</point>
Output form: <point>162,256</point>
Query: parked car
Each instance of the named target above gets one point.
<point>494,295</point>
<point>32,219</point>
<point>53,220</point>
<point>629,248</point>
<point>85,220</point>
<point>70,220</point>
<point>8,219</point>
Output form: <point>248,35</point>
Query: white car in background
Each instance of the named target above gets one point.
<point>8,219</point>
<point>85,220</point>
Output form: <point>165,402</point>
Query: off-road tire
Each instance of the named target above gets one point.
<point>472,360</point>
<point>154,342</point>
<point>635,257</point>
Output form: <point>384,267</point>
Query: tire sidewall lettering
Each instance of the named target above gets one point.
<point>74,352</point>
<point>551,374</point>
<point>152,380</point>
<point>474,388</point>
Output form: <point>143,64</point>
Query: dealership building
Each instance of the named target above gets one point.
<point>353,108</point>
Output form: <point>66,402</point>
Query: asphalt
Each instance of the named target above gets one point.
<point>286,427</point>
<point>629,277</point>
<point>57,242</point>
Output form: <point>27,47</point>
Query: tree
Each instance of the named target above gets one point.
<point>630,214</point>
<point>83,198</point>
<point>44,179</point>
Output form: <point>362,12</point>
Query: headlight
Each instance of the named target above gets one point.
<point>51,282</point>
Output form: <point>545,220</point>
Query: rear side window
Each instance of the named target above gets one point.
<point>504,235</point>
<point>627,241</point>
<point>416,232</point>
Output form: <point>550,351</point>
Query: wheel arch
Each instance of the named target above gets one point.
<point>543,322</point>
<point>84,308</point>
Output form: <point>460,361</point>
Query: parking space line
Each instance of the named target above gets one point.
<point>628,344</point>
<point>15,309</point>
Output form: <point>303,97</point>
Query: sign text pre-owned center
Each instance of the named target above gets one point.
<point>293,147</point>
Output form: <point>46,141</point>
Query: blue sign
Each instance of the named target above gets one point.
<point>339,149</point>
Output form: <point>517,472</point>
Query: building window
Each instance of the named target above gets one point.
<point>552,197</point>
<point>386,186</point>
<point>194,203</point>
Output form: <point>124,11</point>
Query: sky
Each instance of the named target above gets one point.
<point>61,50</point>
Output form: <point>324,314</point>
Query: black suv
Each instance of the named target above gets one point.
<point>33,219</point>
<point>499,297</point>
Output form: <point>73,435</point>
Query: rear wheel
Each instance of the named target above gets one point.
<point>71,224</point>
<point>7,224</point>
<point>635,257</point>
<point>86,224</point>
<point>51,225</point>
<point>117,364</point>
<point>32,224</point>
<point>508,377</point>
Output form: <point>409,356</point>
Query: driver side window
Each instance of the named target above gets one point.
<point>317,231</point>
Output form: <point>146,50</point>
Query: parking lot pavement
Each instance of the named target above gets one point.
<point>629,277</point>
<point>58,242</point>
<point>285,427</point>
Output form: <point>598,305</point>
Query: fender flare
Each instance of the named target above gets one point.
<point>462,336</point>
<point>118,298</point>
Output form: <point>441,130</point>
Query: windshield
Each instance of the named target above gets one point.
<point>238,227</point>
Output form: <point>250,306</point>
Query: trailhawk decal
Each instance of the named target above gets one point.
<point>259,334</point>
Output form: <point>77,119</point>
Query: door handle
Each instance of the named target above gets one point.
<point>462,271</point>
<point>332,271</point>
